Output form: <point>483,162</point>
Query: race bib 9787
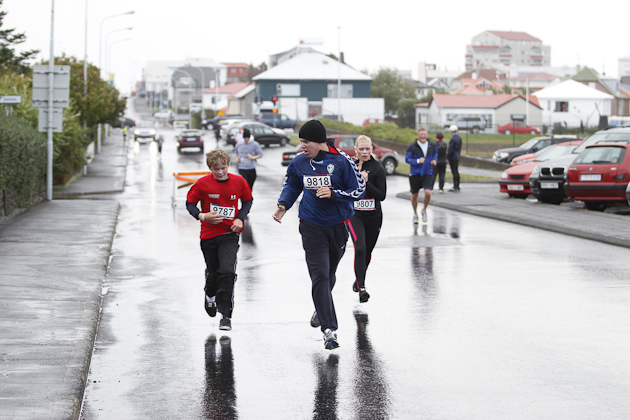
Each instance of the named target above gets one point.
<point>314,182</point>
<point>224,212</point>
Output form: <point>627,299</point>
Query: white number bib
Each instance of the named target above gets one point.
<point>365,204</point>
<point>313,182</point>
<point>224,212</point>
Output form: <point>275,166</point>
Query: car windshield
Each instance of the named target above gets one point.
<point>602,137</point>
<point>530,143</point>
<point>607,154</point>
<point>145,124</point>
<point>554,152</point>
<point>190,133</point>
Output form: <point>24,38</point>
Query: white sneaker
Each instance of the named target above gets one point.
<point>424,216</point>
<point>415,219</point>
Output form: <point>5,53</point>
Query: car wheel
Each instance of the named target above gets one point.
<point>595,205</point>
<point>390,166</point>
<point>283,142</point>
<point>533,132</point>
<point>508,132</point>
<point>515,195</point>
<point>475,130</point>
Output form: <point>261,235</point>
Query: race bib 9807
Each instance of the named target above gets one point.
<point>224,212</point>
<point>313,182</point>
<point>365,204</point>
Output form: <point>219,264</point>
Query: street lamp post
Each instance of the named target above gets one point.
<point>100,39</point>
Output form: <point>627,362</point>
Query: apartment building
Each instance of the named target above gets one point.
<point>494,48</point>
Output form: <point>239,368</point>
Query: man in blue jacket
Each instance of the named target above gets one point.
<point>421,156</point>
<point>330,183</point>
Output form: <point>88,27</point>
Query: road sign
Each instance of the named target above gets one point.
<point>10,99</point>
<point>61,86</point>
<point>57,124</point>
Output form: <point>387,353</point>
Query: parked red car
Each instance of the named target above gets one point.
<point>515,180</point>
<point>518,127</point>
<point>599,175</point>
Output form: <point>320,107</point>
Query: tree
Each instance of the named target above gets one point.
<point>392,87</point>
<point>8,58</point>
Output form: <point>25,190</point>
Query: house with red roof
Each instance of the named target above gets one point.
<point>494,110</point>
<point>494,48</point>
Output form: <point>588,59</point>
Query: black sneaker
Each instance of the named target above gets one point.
<point>211,307</point>
<point>330,339</point>
<point>315,320</point>
<point>364,296</point>
<point>355,286</point>
<point>225,324</point>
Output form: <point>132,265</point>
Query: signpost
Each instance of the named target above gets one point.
<point>51,93</point>
<point>10,99</point>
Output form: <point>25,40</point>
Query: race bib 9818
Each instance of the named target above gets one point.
<point>224,212</point>
<point>313,182</point>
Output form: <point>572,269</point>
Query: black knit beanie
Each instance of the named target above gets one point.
<point>246,133</point>
<point>313,130</point>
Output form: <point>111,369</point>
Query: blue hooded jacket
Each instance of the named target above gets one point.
<point>347,186</point>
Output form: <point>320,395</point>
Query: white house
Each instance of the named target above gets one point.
<point>494,110</point>
<point>570,103</point>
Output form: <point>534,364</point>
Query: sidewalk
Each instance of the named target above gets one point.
<point>53,259</point>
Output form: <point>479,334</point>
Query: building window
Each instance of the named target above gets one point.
<point>562,106</point>
<point>346,90</point>
<point>288,89</point>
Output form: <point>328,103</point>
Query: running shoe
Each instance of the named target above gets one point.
<point>355,286</point>
<point>415,219</point>
<point>315,320</point>
<point>330,339</point>
<point>364,296</point>
<point>424,216</point>
<point>225,324</point>
<point>211,307</point>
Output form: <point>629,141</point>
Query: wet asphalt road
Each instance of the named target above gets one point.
<point>469,317</point>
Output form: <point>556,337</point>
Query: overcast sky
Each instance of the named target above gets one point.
<point>395,34</point>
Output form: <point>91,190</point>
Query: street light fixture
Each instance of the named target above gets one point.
<point>100,39</point>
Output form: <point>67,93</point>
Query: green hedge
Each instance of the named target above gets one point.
<point>378,131</point>
<point>22,164</point>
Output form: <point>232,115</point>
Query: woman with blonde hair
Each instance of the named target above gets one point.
<point>365,225</point>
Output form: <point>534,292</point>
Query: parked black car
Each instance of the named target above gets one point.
<point>124,122</point>
<point>263,134</point>
<point>531,146</point>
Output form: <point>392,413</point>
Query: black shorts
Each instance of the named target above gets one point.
<point>420,181</point>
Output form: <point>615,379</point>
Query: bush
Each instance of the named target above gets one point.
<point>22,164</point>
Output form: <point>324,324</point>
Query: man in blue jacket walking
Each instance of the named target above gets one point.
<point>330,183</point>
<point>421,156</point>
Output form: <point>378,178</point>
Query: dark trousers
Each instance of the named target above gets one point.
<point>324,247</point>
<point>454,164</point>
<point>249,175</point>
<point>364,234</point>
<point>439,172</point>
<point>220,255</point>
